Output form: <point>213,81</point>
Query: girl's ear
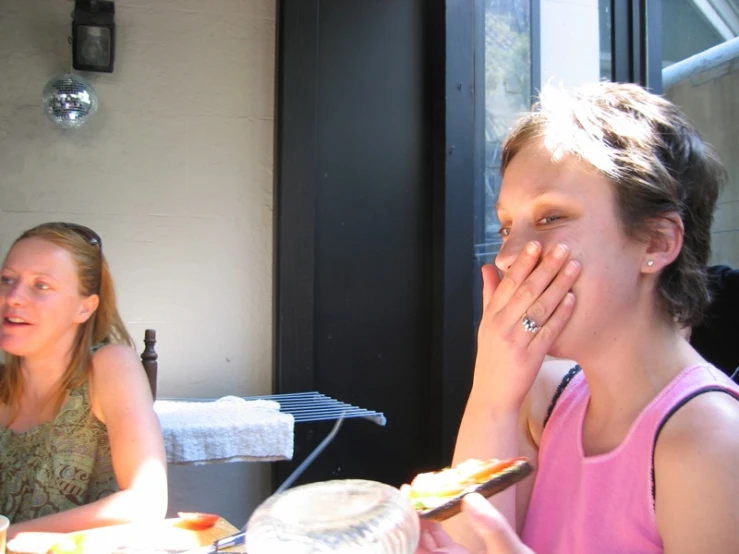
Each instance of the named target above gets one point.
<point>87,307</point>
<point>664,243</point>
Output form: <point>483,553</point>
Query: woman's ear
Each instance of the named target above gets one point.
<point>664,243</point>
<point>87,307</point>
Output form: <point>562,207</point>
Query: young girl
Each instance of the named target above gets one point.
<point>605,208</point>
<point>80,444</point>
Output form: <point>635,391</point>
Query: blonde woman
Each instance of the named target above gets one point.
<point>80,444</point>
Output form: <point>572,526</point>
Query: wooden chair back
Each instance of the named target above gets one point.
<point>149,360</point>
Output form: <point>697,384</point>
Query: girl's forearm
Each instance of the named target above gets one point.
<point>485,433</point>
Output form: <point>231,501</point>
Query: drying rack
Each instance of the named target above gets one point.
<point>315,406</point>
<point>312,406</point>
<point>303,406</point>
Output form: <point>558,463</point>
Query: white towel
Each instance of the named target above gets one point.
<point>229,429</point>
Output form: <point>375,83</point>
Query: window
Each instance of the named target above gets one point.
<point>527,43</point>
<point>507,93</point>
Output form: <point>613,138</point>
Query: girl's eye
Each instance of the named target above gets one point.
<point>548,219</point>
<point>42,286</point>
<point>5,280</point>
<point>504,231</point>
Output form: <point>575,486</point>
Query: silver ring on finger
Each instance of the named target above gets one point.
<point>529,324</point>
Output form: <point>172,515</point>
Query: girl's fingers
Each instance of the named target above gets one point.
<point>550,330</point>
<point>516,275</point>
<point>492,527</point>
<point>433,536</point>
<point>533,287</point>
<point>543,307</point>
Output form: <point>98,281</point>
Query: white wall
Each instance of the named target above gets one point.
<point>175,173</point>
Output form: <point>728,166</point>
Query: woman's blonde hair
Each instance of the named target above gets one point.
<point>104,326</point>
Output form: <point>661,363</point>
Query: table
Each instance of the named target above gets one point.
<point>162,534</point>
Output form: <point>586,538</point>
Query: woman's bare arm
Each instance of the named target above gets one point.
<point>121,399</point>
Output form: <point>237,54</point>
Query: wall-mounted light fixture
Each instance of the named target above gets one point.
<point>93,35</point>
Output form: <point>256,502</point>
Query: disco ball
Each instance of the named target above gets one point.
<point>69,101</point>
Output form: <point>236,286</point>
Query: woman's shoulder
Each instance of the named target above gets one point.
<point>106,349</point>
<point>116,368</point>
<point>701,432</point>
<point>113,362</point>
<point>113,352</point>
<point>708,418</point>
<point>696,456</point>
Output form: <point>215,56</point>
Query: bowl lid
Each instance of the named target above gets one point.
<point>346,515</point>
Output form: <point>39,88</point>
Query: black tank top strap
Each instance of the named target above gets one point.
<point>560,389</point>
<point>675,408</point>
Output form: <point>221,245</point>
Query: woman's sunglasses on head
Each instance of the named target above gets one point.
<point>85,232</point>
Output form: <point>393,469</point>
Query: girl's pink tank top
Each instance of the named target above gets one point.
<point>604,504</point>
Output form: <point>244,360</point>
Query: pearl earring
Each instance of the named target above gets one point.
<point>650,263</point>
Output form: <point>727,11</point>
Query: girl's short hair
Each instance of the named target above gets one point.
<point>657,162</point>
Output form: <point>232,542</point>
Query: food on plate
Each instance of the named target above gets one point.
<point>145,550</point>
<point>73,543</point>
<point>437,495</point>
<point>196,521</point>
<point>70,546</point>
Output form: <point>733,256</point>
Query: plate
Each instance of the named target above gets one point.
<point>498,483</point>
<point>155,536</point>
